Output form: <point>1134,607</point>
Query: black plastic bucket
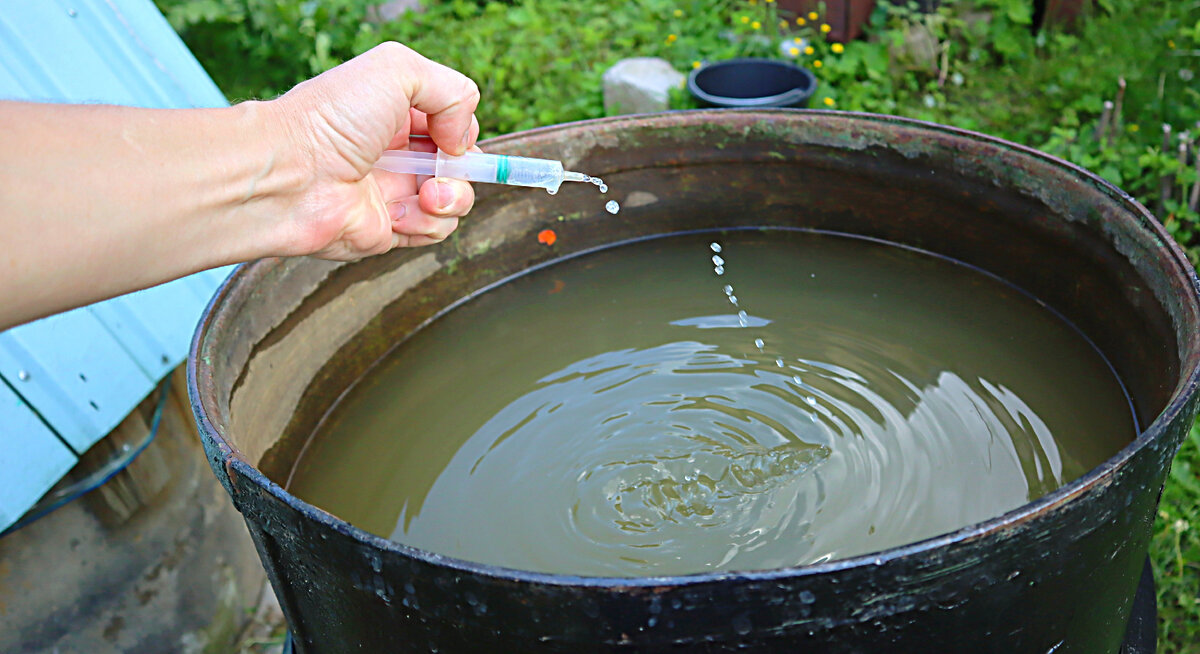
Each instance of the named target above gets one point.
<point>752,83</point>
<point>284,339</point>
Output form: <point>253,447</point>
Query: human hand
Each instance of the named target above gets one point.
<point>341,121</point>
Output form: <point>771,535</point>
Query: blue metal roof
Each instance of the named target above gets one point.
<point>67,380</point>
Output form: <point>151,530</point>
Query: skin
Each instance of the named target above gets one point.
<point>96,201</point>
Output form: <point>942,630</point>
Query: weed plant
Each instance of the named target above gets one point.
<point>1117,94</point>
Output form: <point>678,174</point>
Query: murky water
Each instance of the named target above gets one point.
<point>618,415</point>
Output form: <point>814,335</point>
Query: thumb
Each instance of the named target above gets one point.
<point>446,96</point>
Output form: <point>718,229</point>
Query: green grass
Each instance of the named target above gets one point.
<point>1175,553</point>
<point>540,62</point>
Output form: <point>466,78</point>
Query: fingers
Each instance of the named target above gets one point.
<point>416,227</point>
<point>394,186</point>
<point>445,197</point>
<point>432,215</point>
<point>446,97</point>
<point>417,124</point>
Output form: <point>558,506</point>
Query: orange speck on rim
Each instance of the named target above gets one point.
<point>547,236</point>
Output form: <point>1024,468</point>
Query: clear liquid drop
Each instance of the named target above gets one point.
<point>758,342</point>
<point>716,247</point>
<point>728,289</point>
<point>733,300</point>
<point>720,270</point>
<point>612,206</point>
<point>717,260</point>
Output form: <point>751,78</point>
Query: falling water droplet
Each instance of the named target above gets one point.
<point>733,300</point>
<point>612,206</point>
<point>604,188</point>
<point>758,342</point>
<point>742,318</point>
<point>779,362</point>
<point>728,290</point>
<point>811,400</point>
<point>796,379</point>
<point>720,270</point>
<point>717,260</point>
<point>716,247</point>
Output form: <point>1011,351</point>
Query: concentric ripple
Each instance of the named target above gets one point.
<point>867,397</point>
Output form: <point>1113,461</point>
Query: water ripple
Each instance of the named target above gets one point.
<point>684,452</point>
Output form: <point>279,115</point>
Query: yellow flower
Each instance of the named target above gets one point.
<point>678,13</point>
<point>794,51</point>
<point>817,63</point>
<point>768,1</point>
<point>825,28</point>
<point>837,48</point>
<point>671,38</point>
<point>797,40</point>
<point>695,64</point>
<point>809,50</point>
<point>783,24</point>
<point>756,25</point>
<point>1171,44</point>
<point>1133,127</point>
<point>812,15</point>
<point>745,19</point>
<point>800,21</point>
<point>828,101</point>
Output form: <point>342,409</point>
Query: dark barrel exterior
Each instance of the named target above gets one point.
<point>283,339</point>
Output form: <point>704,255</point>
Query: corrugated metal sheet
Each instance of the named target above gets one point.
<point>32,452</point>
<point>67,380</point>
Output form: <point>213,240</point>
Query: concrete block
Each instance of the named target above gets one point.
<point>639,85</point>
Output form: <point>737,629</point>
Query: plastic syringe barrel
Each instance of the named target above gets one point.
<point>477,167</point>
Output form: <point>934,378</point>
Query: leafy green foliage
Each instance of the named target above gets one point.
<point>976,64</point>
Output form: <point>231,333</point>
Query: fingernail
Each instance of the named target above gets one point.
<point>445,195</point>
<point>466,137</point>
<point>399,212</point>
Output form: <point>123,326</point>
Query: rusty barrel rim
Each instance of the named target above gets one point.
<point>1182,396</point>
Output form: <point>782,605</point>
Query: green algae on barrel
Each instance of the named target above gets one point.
<point>625,413</point>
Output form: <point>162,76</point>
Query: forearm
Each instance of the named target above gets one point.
<point>96,200</point>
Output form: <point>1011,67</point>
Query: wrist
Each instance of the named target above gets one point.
<point>271,168</point>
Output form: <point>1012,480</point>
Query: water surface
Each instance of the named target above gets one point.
<point>632,412</point>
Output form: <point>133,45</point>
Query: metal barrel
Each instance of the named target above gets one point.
<point>283,339</point>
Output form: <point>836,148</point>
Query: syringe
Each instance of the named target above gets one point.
<point>480,167</point>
